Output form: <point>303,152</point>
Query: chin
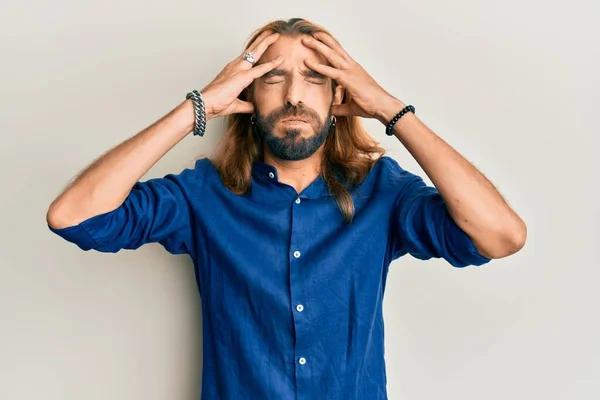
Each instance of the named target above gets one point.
<point>296,132</point>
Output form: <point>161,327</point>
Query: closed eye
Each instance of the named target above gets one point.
<point>311,76</point>
<point>319,83</point>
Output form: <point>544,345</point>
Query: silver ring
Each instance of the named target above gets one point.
<point>249,57</point>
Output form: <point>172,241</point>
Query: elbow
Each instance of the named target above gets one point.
<point>56,218</point>
<point>53,217</point>
<point>519,236</point>
<point>515,240</point>
<point>507,242</point>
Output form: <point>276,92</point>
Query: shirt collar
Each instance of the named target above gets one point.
<point>267,175</point>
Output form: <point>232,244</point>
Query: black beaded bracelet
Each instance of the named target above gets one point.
<point>389,130</point>
<point>199,112</point>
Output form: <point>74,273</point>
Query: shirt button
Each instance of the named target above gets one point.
<point>302,360</point>
<point>297,254</point>
<point>299,307</point>
<point>298,200</point>
<point>271,175</point>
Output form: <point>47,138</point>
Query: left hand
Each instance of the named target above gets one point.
<point>368,98</point>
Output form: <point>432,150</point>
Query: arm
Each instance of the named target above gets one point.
<point>105,184</point>
<point>106,208</point>
<point>472,201</point>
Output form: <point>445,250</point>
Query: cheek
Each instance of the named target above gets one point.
<point>318,95</point>
<point>323,100</point>
<point>266,99</point>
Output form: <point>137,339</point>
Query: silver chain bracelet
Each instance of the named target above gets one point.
<point>199,112</point>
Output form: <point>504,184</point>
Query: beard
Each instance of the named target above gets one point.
<point>292,146</point>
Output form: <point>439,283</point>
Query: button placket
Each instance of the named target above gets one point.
<point>300,315</point>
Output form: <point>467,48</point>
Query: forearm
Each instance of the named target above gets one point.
<point>105,184</point>
<point>472,201</point>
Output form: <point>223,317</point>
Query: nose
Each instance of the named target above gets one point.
<point>294,94</point>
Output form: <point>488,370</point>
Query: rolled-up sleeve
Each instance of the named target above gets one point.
<point>158,210</point>
<point>423,227</point>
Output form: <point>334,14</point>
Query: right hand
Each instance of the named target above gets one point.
<point>221,95</point>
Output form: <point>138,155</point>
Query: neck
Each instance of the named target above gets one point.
<point>298,174</point>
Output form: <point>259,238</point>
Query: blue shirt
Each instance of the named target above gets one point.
<point>291,295</point>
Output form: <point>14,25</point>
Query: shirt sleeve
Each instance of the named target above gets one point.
<point>423,227</point>
<point>158,210</point>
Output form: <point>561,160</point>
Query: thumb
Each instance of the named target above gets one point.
<point>242,107</point>
<point>341,110</point>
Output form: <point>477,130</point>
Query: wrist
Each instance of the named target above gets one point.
<point>187,111</point>
<point>201,110</point>
<point>208,105</point>
<point>389,109</point>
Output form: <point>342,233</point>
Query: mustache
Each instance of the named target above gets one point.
<point>291,111</point>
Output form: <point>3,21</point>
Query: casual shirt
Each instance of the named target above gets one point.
<point>291,294</point>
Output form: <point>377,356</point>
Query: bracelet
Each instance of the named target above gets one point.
<point>199,112</point>
<point>389,129</point>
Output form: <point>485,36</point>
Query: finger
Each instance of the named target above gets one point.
<point>258,48</point>
<point>261,69</point>
<point>242,107</point>
<point>331,55</point>
<point>255,42</point>
<point>341,110</point>
<point>326,70</point>
<point>262,43</point>
<point>332,43</point>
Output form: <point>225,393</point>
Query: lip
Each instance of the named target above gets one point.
<point>295,120</point>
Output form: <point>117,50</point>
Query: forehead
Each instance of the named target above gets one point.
<point>293,51</point>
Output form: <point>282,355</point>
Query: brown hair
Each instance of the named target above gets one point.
<point>348,151</point>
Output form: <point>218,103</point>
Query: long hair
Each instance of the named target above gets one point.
<point>349,152</point>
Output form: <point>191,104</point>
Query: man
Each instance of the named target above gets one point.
<point>293,224</point>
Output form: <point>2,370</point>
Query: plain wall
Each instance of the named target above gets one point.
<point>512,85</point>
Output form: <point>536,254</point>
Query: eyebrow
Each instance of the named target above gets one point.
<point>309,73</point>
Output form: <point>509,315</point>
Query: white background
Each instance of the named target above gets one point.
<point>512,85</point>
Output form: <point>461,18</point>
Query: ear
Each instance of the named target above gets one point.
<point>338,96</point>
